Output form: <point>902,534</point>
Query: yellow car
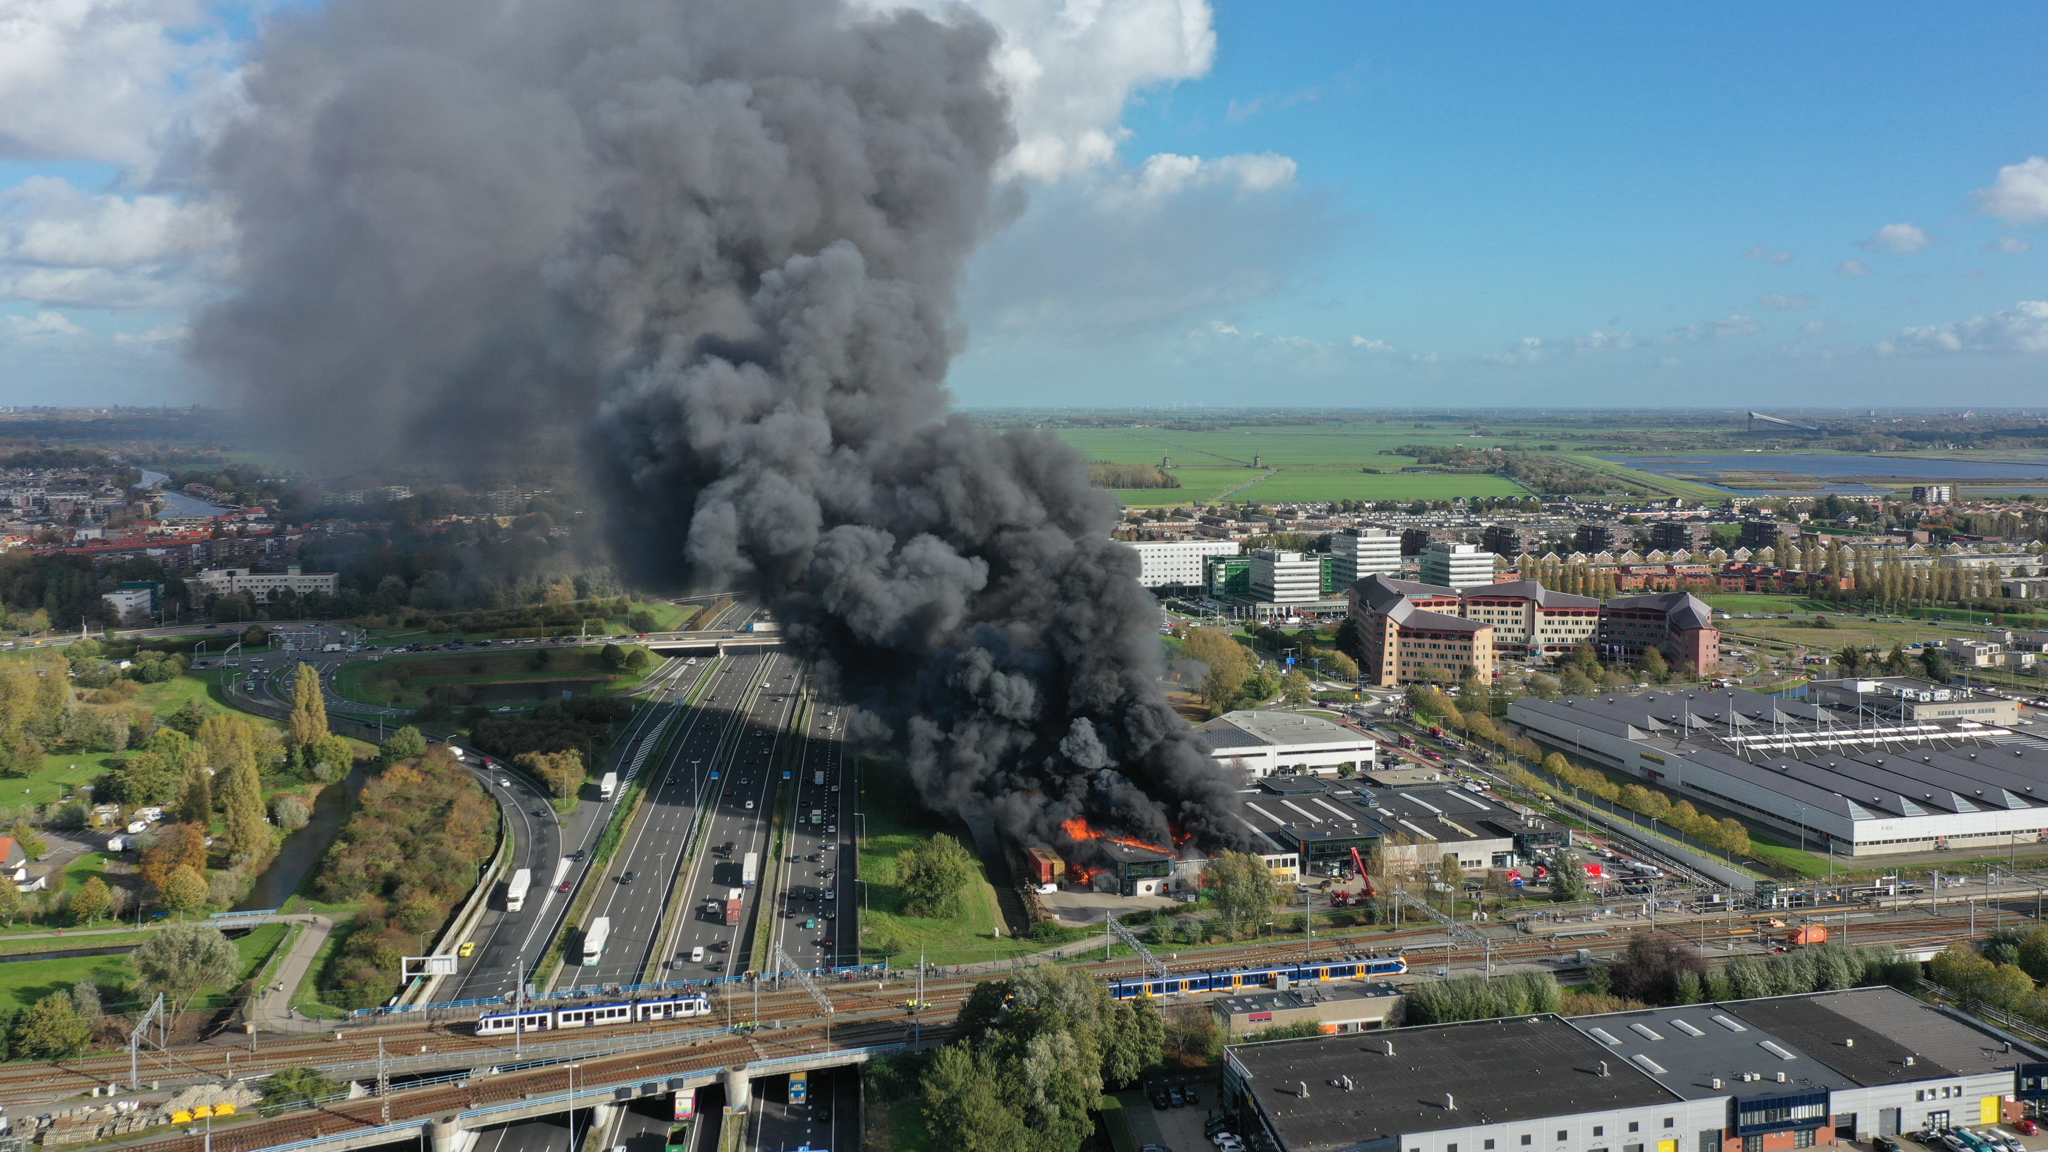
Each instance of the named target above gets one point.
<point>468,946</point>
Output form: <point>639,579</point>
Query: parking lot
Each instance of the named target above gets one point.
<point>1177,1128</point>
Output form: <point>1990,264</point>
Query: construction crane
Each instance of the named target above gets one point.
<point>1359,862</point>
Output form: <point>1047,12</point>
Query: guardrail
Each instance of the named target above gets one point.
<point>242,915</point>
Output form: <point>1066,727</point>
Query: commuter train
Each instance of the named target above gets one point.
<point>1233,979</point>
<point>599,1015</point>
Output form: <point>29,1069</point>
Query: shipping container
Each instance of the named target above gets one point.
<point>1045,868</point>
<point>732,905</point>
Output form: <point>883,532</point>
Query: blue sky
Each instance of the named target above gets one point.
<point>1414,204</point>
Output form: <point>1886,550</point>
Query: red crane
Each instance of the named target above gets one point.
<point>1359,862</point>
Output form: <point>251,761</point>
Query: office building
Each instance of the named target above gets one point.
<point>1359,552</point>
<point>1228,576</point>
<point>1286,577</point>
<point>262,587</point>
<point>1456,565</point>
<point>131,606</point>
<point>1412,632</point>
<point>1264,743</point>
<point>1780,1073</point>
<point>1903,700</point>
<point>1177,565</point>
<point>1530,621</point>
<point>1413,541</point>
<point>1678,624</point>
<point>1934,493</point>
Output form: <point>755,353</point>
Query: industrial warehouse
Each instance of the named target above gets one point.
<point>1766,1075</point>
<point>1313,826</point>
<point>1857,779</point>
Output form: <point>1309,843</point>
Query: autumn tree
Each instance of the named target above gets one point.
<point>1229,666</point>
<point>1242,888</point>
<point>308,723</point>
<point>93,900</point>
<point>180,960</point>
<point>184,890</point>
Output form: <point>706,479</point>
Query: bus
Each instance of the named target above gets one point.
<point>594,939</point>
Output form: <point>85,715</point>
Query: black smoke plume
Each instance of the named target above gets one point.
<point>714,245</point>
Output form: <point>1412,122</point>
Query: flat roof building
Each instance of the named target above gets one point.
<point>1337,1009</point>
<point>1785,1072</point>
<point>1855,785</point>
<point>1177,564</point>
<point>1321,821</point>
<point>1903,699</point>
<point>1457,565</point>
<point>1359,552</point>
<point>1264,743</point>
<point>1286,577</point>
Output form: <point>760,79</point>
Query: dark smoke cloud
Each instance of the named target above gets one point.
<point>716,245</point>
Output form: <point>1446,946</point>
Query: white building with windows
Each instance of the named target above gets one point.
<point>1265,743</point>
<point>262,587</point>
<point>1359,552</point>
<point>1459,566</point>
<point>1178,563</point>
<point>1286,577</point>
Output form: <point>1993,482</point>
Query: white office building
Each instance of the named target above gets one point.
<point>263,586</point>
<point>1264,743</point>
<point>1360,552</point>
<point>1178,563</point>
<point>1459,566</point>
<point>1287,577</point>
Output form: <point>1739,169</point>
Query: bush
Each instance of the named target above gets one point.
<point>290,812</point>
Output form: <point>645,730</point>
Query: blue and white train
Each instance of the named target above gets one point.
<point>600,1015</point>
<point>1233,979</point>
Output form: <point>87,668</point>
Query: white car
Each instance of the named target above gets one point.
<point>697,954</point>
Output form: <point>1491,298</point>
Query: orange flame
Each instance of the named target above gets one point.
<point>1078,829</point>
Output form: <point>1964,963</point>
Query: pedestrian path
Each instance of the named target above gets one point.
<point>270,1010</point>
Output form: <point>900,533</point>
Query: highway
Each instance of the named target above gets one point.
<point>819,914</point>
<point>719,763</point>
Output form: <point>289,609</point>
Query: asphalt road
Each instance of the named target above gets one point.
<point>720,762</point>
<point>819,858</point>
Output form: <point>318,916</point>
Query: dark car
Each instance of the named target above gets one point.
<point>627,877</point>
<point>1160,1101</point>
<point>1178,1097</point>
<point>1194,1097</point>
<point>1885,1144</point>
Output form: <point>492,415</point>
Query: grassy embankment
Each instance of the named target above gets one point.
<point>379,682</point>
<point>896,819</point>
<point>24,982</point>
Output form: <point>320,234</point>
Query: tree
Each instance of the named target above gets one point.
<point>290,813</point>
<point>562,772</point>
<point>1228,666</point>
<point>969,1105</point>
<point>31,844</point>
<point>248,832</point>
<point>92,901</point>
<point>404,744</point>
<point>1648,969</point>
<point>611,657</point>
<point>180,960</point>
<point>330,758</point>
<point>183,890</point>
<point>196,806</point>
<point>643,621</point>
<point>1450,872</point>
<point>149,778</point>
<point>1242,888</point>
<point>1340,666</point>
<point>309,713</point>
<point>52,1029</point>
<point>292,1086</point>
<point>1655,668</point>
<point>933,875</point>
<point>1567,878</point>
<point>1934,662</point>
<point>1850,659</point>
<point>10,901</point>
<point>1295,688</point>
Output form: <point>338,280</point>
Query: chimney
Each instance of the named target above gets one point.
<point>1717,1083</point>
<point>1450,1103</point>
<point>1909,1061</point>
<point>1849,1043</point>
<point>1304,1089</point>
<point>1603,1067</point>
<point>1390,1049</point>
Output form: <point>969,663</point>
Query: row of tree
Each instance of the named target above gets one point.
<point>1726,834</point>
<point>1032,1057</point>
<point>421,831</point>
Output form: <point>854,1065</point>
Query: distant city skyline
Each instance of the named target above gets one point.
<point>1310,205</point>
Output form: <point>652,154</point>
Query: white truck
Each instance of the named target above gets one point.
<point>515,889</point>
<point>750,869</point>
<point>818,777</point>
<point>607,786</point>
<point>594,938</point>
<point>334,648</point>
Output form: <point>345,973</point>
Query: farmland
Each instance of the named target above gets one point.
<point>1328,461</point>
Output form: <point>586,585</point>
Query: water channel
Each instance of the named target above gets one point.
<point>302,850</point>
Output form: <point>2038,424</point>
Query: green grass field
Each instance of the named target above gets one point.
<point>360,680</point>
<point>23,982</point>
<point>896,820</point>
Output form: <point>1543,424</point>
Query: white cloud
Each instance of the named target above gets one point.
<point>1816,327</point>
<point>61,246</point>
<point>2009,245</point>
<point>1768,255</point>
<point>1165,174</point>
<point>2019,195</point>
<point>40,328</point>
<point>1371,345</point>
<point>1784,303</point>
<point>2023,328</point>
<point>1852,269</point>
<point>1071,66</point>
<point>1901,239</point>
<point>103,80</point>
